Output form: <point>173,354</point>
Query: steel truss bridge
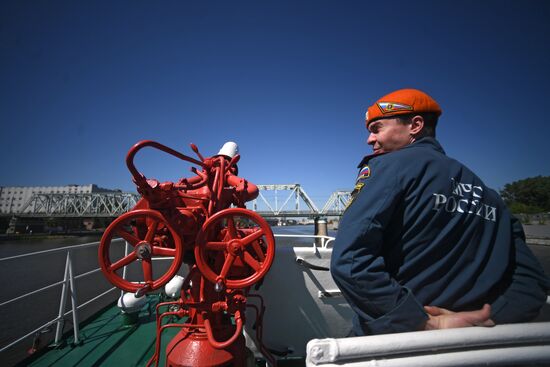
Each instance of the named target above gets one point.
<point>296,199</point>
<point>276,201</point>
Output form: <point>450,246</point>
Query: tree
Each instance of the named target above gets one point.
<point>530,195</point>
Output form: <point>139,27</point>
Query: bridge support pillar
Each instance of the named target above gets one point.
<point>321,229</point>
<point>25,225</point>
<point>89,223</point>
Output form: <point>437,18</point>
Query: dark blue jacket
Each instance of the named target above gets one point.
<point>422,229</point>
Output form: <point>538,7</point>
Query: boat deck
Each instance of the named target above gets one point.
<point>106,341</point>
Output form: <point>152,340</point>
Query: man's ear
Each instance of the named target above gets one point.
<point>417,125</point>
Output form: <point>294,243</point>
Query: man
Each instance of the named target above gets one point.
<point>424,244</point>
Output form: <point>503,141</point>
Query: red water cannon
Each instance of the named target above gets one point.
<point>201,221</point>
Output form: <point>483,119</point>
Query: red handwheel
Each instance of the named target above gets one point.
<point>235,248</point>
<point>149,234</point>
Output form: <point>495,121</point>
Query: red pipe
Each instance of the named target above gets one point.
<point>225,344</point>
<point>155,356</point>
<point>149,143</point>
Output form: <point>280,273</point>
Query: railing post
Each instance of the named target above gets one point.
<point>74,303</point>
<point>68,283</point>
<point>126,251</point>
<point>63,300</point>
<point>320,230</point>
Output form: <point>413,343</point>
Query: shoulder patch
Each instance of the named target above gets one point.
<point>357,188</point>
<point>354,193</point>
<point>364,173</point>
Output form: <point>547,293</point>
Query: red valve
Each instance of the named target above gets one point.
<point>234,249</point>
<point>226,246</point>
<point>150,234</point>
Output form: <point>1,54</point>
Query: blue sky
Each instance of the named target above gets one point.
<point>289,81</point>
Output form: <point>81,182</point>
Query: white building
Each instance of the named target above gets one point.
<point>13,198</point>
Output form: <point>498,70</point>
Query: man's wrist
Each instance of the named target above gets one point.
<point>431,324</point>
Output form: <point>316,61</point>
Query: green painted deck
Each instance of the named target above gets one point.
<point>106,341</point>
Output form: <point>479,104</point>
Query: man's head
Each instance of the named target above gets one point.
<point>400,118</point>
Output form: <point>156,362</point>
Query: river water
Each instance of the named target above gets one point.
<point>24,275</point>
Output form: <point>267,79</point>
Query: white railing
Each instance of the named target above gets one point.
<point>69,286</point>
<point>324,240</point>
<point>476,346</point>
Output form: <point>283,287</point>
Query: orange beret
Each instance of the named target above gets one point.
<point>402,102</point>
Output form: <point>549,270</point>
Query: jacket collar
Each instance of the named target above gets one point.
<point>428,142</point>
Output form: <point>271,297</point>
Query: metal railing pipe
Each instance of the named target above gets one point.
<point>322,351</point>
<point>538,355</point>
<point>87,273</point>
<point>74,302</point>
<point>31,293</point>
<point>325,239</point>
<point>29,334</point>
<point>60,249</point>
<point>126,252</point>
<point>92,299</point>
<point>62,301</point>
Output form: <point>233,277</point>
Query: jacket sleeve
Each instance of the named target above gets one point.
<point>380,303</point>
<point>525,291</point>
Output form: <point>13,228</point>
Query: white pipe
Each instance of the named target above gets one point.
<point>93,299</point>
<point>388,345</point>
<point>87,273</point>
<point>126,252</point>
<point>31,293</point>
<point>512,356</point>
<point>59,249</point>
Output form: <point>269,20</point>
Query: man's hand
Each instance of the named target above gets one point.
<point>440,318</point>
